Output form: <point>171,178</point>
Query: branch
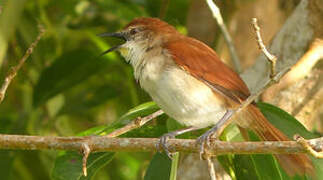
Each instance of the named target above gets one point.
<point>86,152</point>
<point>309,148</point>
<point>274,77</point>
<point>272,59</point>
<point>218,17</point>
<point>14,70</point>
<point>135,124</point>
<point>290,43</point>
<point>101,143</point>
<point>210,167</point>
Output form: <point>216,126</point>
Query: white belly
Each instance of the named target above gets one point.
<point>177,93</point>
<point>182,97</point>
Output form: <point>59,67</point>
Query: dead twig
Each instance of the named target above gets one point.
<point>14,70</point>
<point>86,152</point>
<point>134,124</point>
<point>218,17</point>
<point>272,59</point>
<point>308,147</point>
<point>210,167</point>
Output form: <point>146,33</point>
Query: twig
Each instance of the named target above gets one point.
<point>86,152</point>
<point>210,167</point>
<point>14,70</point>
<point>272,59</point>
<point>274,77</point>
<point>308,147</point>
<point>134,124</point>
<point>101,144</point>
<point>218,17</point>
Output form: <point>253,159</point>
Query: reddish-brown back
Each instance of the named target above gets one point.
<point>203,63</point>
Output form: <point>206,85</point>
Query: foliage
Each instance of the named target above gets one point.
<point>65,88</point>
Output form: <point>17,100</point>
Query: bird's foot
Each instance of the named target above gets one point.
<point>204,142</point>
<point>162,145</point>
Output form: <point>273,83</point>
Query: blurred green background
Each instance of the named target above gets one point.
<point>66,89</point>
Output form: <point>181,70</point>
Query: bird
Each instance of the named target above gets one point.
<point>189,82</point>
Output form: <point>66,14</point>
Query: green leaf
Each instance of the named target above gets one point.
<point>69,165</point>
<point>159,168</point>
<point>244,168</point>
<point>284,121</point>
<point>147,131</point>
<point>267,167</point>
<point>173,172</point>
<point>7,158</point>
<point>140,111</point>
<point>93,131</point>
<point>67,71</point>
<point>227,163</point>
<point>9,19</point>
<point>173,125</point>
<point>89,98</point>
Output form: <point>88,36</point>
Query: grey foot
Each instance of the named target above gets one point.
<point>204,142</point>
<point>162,145</point>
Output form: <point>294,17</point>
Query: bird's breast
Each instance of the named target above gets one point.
<point>178,94</point>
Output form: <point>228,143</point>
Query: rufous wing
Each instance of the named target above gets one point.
<point>203,63</point>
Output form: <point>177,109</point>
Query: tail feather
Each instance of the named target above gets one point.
<point>293,164</point>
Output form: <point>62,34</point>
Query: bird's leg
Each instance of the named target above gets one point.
<point>215,132</point>
<point>162,145</point>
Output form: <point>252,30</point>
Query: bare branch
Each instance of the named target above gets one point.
<point>218,17</point>
<point>274,77</point>
<point>14,70</point>
<point>102,143</point>
<point>308,147</point>
<point>210,167</point>
<point>86,152</point>
<point>134,124</point>
<point>272,59</point>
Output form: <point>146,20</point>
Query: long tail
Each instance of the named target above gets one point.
<point>293,164</point>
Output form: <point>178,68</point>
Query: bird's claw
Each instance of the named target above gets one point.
<point>162,145</point>
<point>204,142</point>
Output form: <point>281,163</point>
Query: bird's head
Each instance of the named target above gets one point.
<point>141,34</point>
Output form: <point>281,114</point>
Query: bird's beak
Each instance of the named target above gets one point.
<point>119,35</point>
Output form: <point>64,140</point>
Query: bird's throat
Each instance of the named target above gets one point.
<point>124,52</point>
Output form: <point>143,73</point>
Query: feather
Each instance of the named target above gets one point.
<point>204,64</point>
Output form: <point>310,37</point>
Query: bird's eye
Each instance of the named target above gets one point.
<point>134,31</point>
